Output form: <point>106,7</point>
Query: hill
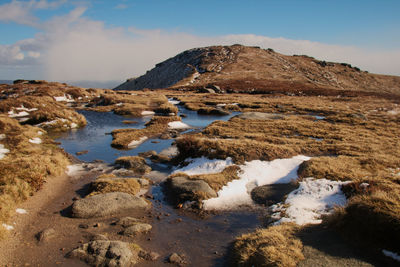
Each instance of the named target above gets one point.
<point>252,69</point>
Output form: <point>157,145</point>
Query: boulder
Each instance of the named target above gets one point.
<point>260,116</point>
<point>106,253</point>
<point>136,228</point>
<point>271,193</point>
<point>177,259</point>
<point>107,204</point>
<point>126,221</point>
<point>185,189</point>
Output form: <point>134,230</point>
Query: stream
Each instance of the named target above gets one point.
<point>204,240</point>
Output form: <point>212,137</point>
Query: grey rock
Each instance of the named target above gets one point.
<point>105,253</point>
<point>260,116</point>
<point>134,163</point>
<point>186,189</point>
<point>45,234</point>
<point>98,237</point>
<point>272,193</point>
<point>106,204</point>
<point>136,229</point>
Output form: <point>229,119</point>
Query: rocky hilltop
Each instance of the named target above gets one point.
<point>252,69</point>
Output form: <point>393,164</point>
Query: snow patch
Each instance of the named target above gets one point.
<point>12,114</point>
<point>66,98</point>
<point>173,101</point>
<point>75,169</point>
<point>21,211</point>
<point>135,143</point>
<point>8,227</point>
<point>394,112</point>
<point>147,113</point>
<point>306,204</point>
<point>177,125</point>
<point>74,125</point>
<point>391,254</point>
<point>2,137</point>
<point>204,165</point>
<point>254,173</point>
<point>35,140</point>
<point>3,151</point>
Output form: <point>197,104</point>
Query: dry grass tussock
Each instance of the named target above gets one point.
<point>45,112</point>
<point>107,184</point>
<point>155,127</point>
<point>27,166</point>
<point>273,246</point>
<point>132,104</point>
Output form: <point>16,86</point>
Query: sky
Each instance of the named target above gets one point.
<point>80,40</point>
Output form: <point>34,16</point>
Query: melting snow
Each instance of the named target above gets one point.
<point>8,227</point>
<point>21,211</point>
<point>3,151</point>
<point>74,125</point>
<point>391,254</point>
<point>135,143</point>
<point>254,173</point>
<point>147,113</point>
<point>205,166</point>
<point>177,125</point>
<point>35,140</point>
<point>66,98</point>
<point>11,114</point>
<point>2,136</point>
<point>306,204</point>
<point>173,101</point>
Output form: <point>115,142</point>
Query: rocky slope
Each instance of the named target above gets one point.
<point>242,68</point>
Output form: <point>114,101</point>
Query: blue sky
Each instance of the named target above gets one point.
<point>37,34</point>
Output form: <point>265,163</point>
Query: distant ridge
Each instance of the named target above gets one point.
<point>6,81</point>
<point>252,69</point>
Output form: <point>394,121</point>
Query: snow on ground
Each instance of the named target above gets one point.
<point>173,101</point>
<point>254,173</point>
<point>3,151</point>
<point>391,254</point>
<point>204,165</point>
<point>35,140</point>
<point>66,98</point>
<point>21,211</point>
<point>12,114</point>
<point>74,125</point>
<point>306,204</point>
<point>135,143</point>
<point>177,125</point>
<point>147,113</point>
<point>75,169</point>
<point>2,136</point>
<point>8,227</point>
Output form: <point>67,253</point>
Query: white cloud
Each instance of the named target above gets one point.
<point>72,47</point>
<point>121,6</point>
<point>22,11</point>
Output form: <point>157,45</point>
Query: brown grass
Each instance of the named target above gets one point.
<point>217,180</point>
<point>109,184</point>
<point>155,127</point>
<point>27,166</point>
<point>273,246</point>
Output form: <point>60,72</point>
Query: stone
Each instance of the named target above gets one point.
<point>107,204</point>
<point>136,228</point>
<point>98,237</point>
<point>260,116</point>
<point>105,253</point>
<point>271,193</point>
<point>175,258</point>
<point>45,234</point>
<point>187,189</point>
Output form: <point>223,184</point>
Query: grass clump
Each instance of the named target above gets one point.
<point>273,246</point>
<point>217,180</point>
<point>104,185</point>
<point>135,163</point>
